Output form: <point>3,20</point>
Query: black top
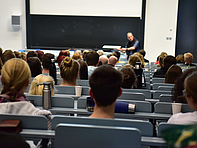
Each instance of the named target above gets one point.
<point>160,73</point>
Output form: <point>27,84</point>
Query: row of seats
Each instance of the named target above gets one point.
<point>122,132</point>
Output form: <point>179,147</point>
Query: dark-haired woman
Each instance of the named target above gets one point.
<point>190,94</point>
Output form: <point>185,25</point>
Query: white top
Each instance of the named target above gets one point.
<point>90,70</point>
<point>184,118</point>
<point>21,107</point>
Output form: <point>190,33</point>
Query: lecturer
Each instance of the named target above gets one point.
<point>131,46</point>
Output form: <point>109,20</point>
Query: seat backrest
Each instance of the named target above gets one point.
<point>163,125</point>
<point>156,86</point>
<point>56,101</point>
<point>145,127</point>
<point>71,90</point>
<point>146,92</point>
<point>141,106</point>
<point>132,96</point>
<point>158,80</point>
<point>27,121</point>
<point>83,82</point>
<point>157,93</point>
<point>166,108</point>
<point>78,135</point>
<point>165,98</point>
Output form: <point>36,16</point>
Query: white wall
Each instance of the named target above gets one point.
<point>160,23</point>
<point>12,38</point>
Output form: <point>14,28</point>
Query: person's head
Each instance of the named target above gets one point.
<point>129,77</point>
<point>116,54</point>
<point>105,83</point>
<point>40,54</point>
<point>17,54</point>
<point>69,70</point>
<point>35,66</point>
<point>163,54</point>
<point>133,59</point>
<point>15,76</point>
<point>180,58</point>
<point>83,73</point>
<point>190,90</point>
<point>76,56</point>
<point>104,59</point>
<point>65,53</point>
<point>188,58</point>
<point>109,55</point>
<point>142,52</point>
<point>23,56</point>
<point>160,61</point>
<point>46,60</point>
<point>59,59</point>
<point>172,74</point>
<point>141,58</point>
<point>32,54</point>
<point>85,52</point>
<point>169,60</point>
<point>130,36</point>
<point>8,54</point>
<point>100,52</point>
<point>179,85</point>
<point>127,65</point>
<point>36,86</point>
<point>92,58</point>
<point>113,60</point>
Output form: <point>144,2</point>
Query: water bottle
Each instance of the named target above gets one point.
<point>46,96</point>
<point>124,107</point>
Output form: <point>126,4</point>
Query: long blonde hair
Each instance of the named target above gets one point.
<point>37,87</point>
<point>15,75</point>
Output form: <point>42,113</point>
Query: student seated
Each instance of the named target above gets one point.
<point>36,86</point>
<point>105,88</point>
<point>69,71</point>
<point>172,74</point>
<point>190,94</point>
<point>129,78</point>
<point>15,78</point>
<point>167,62</point>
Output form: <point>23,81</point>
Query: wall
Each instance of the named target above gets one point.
<point>12,38</point>
<point>160,23</point>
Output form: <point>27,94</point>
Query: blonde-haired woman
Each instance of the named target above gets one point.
<point>69,70</point>
<point>37,84</point>
<point>15,77</point>
<point>133,59</point>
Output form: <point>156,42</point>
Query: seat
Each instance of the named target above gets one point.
<point>78,135</point>
<point>145,127</point>
<point>158,80</point>
<point>163,125</point>
<point>71,90</point>
<point>83,82</point>
<point>165,98</point>
<point>147,93</point>
<point>56,101</point>
<point>132,96</point>
<point>156,86</point>
<point>166,108</point>
<point>28,121</point>
<point>157,93</point>
<point>141,106</point>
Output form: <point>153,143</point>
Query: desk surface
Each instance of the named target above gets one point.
<point>144,115</point>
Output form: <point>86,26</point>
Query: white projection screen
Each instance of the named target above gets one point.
<point>111,8</point>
